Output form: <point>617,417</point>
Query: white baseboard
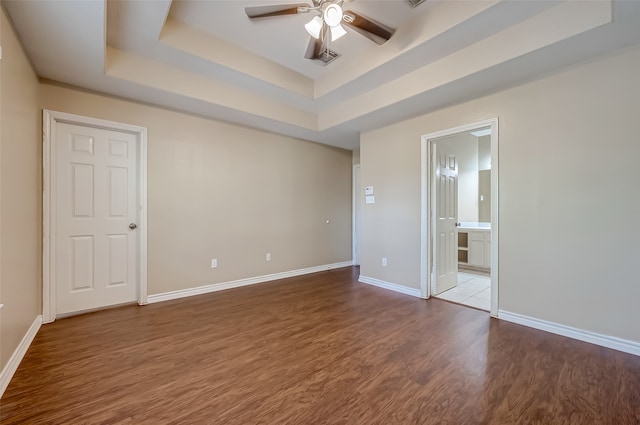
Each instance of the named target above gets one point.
<point>388,285</point>
<point>615,343</point>
<point>173,295</point>
<point>17,356</point>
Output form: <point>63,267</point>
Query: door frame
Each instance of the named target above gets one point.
<point>50,119</point>
<point>355,220</point>
<point>426,182</point>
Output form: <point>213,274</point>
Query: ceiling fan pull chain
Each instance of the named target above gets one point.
<point>328,45</point>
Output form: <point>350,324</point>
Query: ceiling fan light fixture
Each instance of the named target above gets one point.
<point>314,26</point>
<point>337,32</point>
<point>333,15</point>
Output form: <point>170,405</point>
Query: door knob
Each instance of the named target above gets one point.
<point>133,226</point>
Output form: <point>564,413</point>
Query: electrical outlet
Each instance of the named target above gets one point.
<point>268,257</point>
<point>384,261</point>
<point>214,263</point>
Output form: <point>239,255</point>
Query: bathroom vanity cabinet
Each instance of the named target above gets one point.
<point>474,246</point>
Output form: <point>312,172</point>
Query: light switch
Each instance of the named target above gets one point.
<point>368,190</point>
<point>370,199</point>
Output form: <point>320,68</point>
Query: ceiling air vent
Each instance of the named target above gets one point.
<point>415,3</point>
<point>327,57</point>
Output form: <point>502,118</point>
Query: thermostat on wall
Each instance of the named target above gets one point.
<point>368,190</point>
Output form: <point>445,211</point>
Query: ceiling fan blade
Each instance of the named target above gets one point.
<point>256,12</point>
<point>372,30</point>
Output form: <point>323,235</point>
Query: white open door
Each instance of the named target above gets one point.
<point>445,220</point>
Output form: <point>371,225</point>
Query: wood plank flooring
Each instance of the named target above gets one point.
<point>316,349</point>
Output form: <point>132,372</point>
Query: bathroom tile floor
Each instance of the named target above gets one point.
<point>473,290</point>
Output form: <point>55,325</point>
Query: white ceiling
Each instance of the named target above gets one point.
<point>208,58</point>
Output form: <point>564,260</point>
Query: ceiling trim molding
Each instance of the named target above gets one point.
<point>150,73</point>
<point>180,36</point>
<point>500,48</point>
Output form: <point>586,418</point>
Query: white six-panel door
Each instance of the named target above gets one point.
<point>96,244</point>
<point>445,262</point>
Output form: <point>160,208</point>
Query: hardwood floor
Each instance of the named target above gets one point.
<point>316,349</point>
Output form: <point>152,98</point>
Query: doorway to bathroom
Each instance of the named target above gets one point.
<point>459,215</point>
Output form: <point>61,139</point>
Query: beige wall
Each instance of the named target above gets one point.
<point>20,193</point>
<point>356,156</point>
<point>484,153</point>
<point>484,178</point>
<point>568,203</point>
<point>222,191</point>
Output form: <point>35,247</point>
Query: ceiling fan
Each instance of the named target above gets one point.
<point>326,26</point>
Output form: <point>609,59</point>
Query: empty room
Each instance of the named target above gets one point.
<point>323,212</point>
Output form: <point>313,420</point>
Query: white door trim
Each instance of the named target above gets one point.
<point>49,122</point>
<point>425,207</point>
<point>355,248</point>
